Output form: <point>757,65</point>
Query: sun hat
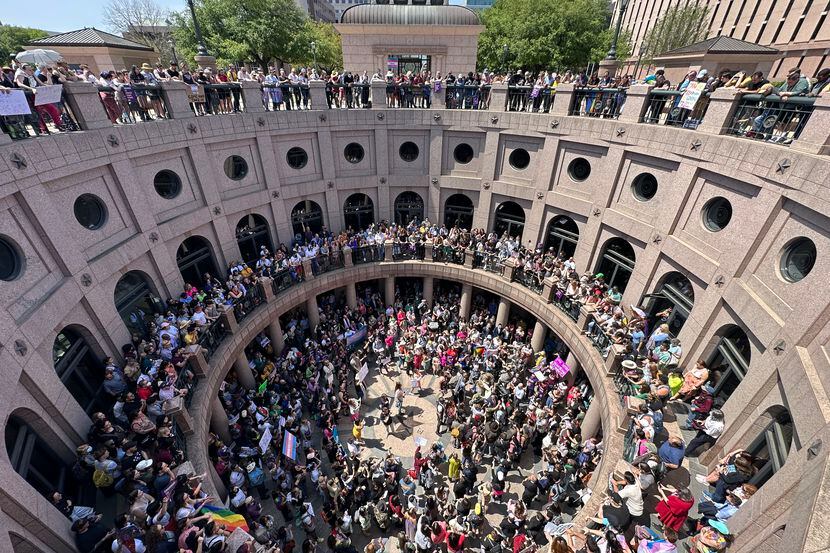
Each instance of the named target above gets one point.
<point>629,364</point>
<point>146,66</point>
<point>145,464</point>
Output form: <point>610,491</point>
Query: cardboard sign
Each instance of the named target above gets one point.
<point>265,441</point>
<point>197,94</point>
<point>14,102</point>
<point>691,95</point>
<point>560,367</point>
<point>48,94</point>
<point>364,370</point>
<point>420,441</point>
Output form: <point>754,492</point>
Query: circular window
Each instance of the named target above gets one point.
<point>463,153</point>
<point>519,159</point>
<point>90,211</point>
<point>353,152</point>
<point>579,169</point>
<point>798,259</point>
<point>408,151</point>
<point>236,167</point>
<point>11,262</point>
<point>644,186</point>
<point>168,184</point>
<point>296,157</point>
<point>716,214</point>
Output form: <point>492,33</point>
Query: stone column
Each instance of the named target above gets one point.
<point>503,313</point>
<point>562,100</point>
<point>498,97</point>
<point>175,99</point>
<point>429,283</point>
<point>308,273</point>
<point>378,94</point>
<point>636,103</point>
<point>313,313</point>
<point>548,289</point>
<point>815,137</point>
<point>244,372</point>
<point>351,295</point>
<point>252,97</point>
<point>592,422</point>
<point>722,105</point>
<point>348,260</point>
<point>85,103</point>
<point>317,93</point>
<point>466,301</point>
<point>219,420</point>
<point>277,337</point>
<point>388,247</point>
<point>510,265</point>
<point>537,341</point>
<point>469,258</point>
<point>389,290</point>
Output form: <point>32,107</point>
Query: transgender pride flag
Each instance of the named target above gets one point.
<point>289,445</point>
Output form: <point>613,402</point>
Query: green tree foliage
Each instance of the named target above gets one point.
<point>12,40</point>
<point>623,45</point>
<point>328,47</point>
<point>678,27</point>
<point>544,34</point>
<point>257,31</point>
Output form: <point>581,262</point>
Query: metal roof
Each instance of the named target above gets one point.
<point>390,14</point>
<point>89,36</point>
<point>722,45</point>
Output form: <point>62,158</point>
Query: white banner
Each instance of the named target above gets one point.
<point>364,370</point>
<point>265,441</point>
<point>13,102</point>
<point>48,94</point>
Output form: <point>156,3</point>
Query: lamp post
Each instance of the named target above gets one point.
<point>172,41</point>
<point>201,48</point>
<point>505,51</point>
<point>314,53</point>
<point>612,52</point>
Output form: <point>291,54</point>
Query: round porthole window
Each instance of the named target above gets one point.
<point>167,184</point>
<point>408,151</point>
<point>519,159</point>
<point>644,186</point>
<point>716,214</point>
<point>798,259</point>
<point>296,157</point>
<point>463,153</point>
<point>11,261</point>
<point>353,152</point>
<point>579,169</point>
<point>90,211</point>
<point>236,167</point>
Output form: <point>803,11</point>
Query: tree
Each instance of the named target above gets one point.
<point>327,46</point>
<point>678,27</point>
<point>143,21</point>
<point>544,34</point>
<point>236,31</point>
<point>12,40</point>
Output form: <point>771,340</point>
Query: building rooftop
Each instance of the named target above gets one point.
<point>89,36</point>
<point>377,14</point>
<point>722,45</point>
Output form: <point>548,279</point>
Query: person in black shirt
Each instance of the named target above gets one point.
<point>91,537</point>
<point>173,71</point>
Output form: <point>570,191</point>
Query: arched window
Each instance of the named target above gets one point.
<point>306,215</point>
<point>617,263</point>
<point>195,260</point>
<point>510,219</point>
<point>251,234</point>
<point>771,447</point>
<point>80,370</point>
<point>672,302</point>
<point>135,302</point>
<point>358,211</point>
<point>563,234</point>
<point>729,363</point>
<point>409,206</point>
<point>458,211</point>
<point>34,459</point>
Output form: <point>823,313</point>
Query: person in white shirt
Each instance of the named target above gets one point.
<point>631,493</point>
<point>708,431</point>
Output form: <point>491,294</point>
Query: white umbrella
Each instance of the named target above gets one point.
<point>38,56</point>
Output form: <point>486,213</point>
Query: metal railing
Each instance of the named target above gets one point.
<point>469,96</point>
<point>529,279</point>
<point>405,250</point>
<point>187,381</point>
<point>771,118</point>
<point>133,102</point>
<point>245,305</point>
<point>348,96</point>
<point>568,305</point>
<point>449,254</point>
<point>49,119</point>
<point>490,262</point>
<point>219,99</point>
<point>324,263</point>
<point>529,98</point>
<point>212,336</point>
<point>287,97</point>
<point>367,254</point>
<point>602,342</point>
<point>410,96</point>
<point>663,108</point>
<point>605,103</point>
<point>286,278</point>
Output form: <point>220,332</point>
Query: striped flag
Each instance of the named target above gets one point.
<point>224,516</point>
<point>289,445</point>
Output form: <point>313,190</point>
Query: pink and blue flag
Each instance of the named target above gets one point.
<point>289,445</point>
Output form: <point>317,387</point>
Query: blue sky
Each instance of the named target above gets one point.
<point>68,15</point>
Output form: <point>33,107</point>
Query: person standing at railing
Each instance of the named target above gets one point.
<point>25,79</point>
<point>108,97</point>
<point>795,85</point>
<point>822,84</point>
<point>285,87</point>
<point>302,84</point>
<point>153,94</point>
<point>273,90</point>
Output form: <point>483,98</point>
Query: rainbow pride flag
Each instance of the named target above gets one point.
<point>221,515</point>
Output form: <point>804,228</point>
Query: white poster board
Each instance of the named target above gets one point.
<point>691,95</point>
<point>265,441</point>
<point>13,102</point>
<point>48,94</point>
<point>364,370</point>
